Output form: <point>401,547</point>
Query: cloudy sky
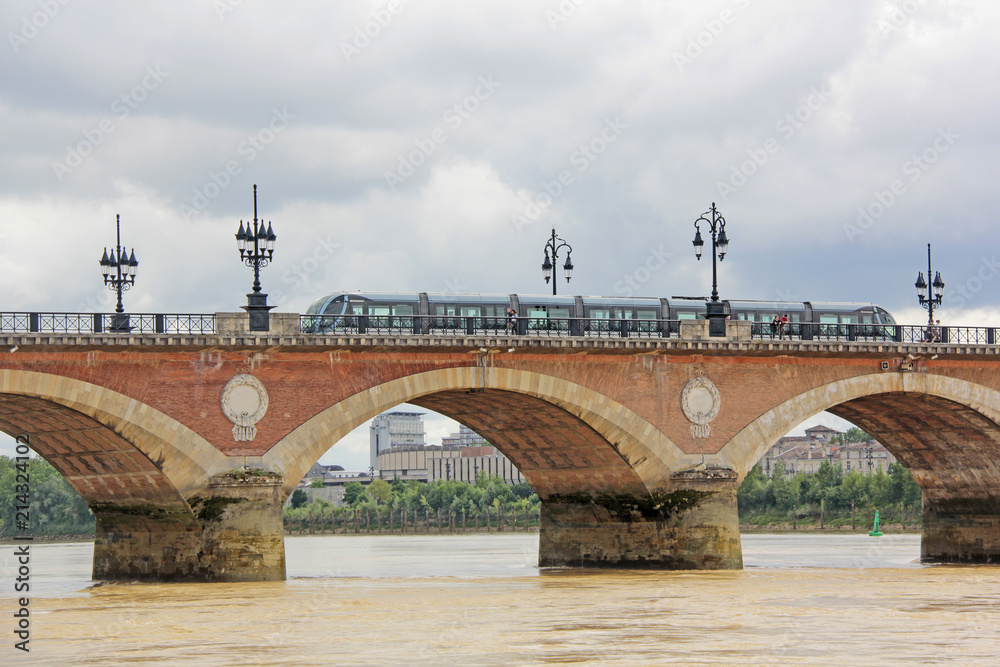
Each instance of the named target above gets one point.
<point>431,145</point>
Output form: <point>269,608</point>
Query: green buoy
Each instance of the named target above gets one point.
<point>875,532</point>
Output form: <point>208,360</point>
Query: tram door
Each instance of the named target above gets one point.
<point>548,318</point>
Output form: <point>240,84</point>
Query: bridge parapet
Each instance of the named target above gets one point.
<point>461,343</point>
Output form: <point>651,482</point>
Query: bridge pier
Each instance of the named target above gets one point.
<point>232,532</point>
<point>694,525</point>
<point>960,535</point>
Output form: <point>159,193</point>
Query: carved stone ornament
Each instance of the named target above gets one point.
<point>244,402</point>
<point>700,403</point>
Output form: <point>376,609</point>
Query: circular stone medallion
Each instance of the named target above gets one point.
<point>244,402</point>
<point>700,403</point>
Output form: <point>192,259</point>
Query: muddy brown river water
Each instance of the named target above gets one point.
<point>479,600</point>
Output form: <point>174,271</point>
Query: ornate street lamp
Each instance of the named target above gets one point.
<point>720,246</point>
<point>930,295</point>
<point>119,271</point>
<point>256,250</point>
<point>547,264</point>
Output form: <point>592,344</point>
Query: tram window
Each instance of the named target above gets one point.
<point>829,319</point>
<point>470,311</point>
<point>600,314</point>
<point>866,318</point>
<point>537,312</point>
<point>402,310</point>
<point>378,310</point>
<point>559,312</point>
<point>686,315</point>
<point>348,308</point>
<point>885,317</point>
<point>645,314</point>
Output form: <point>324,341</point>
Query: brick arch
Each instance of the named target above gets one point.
<point>617,451</point>
<point>112,448</point>
<point>920,417</point>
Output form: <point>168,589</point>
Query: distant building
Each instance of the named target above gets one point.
<point>452,462</point>
<point>822,443</point>
<point>395,429</point>
<point>868,457</point>
<point>465,437</point>
<point>334,478</point>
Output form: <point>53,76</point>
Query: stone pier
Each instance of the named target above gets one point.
<point>960,535</point>
<point>693,525</point>
<point>232,532</point>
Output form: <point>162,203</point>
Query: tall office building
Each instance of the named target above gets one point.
<point>465,437</point>
<point>395,429</point>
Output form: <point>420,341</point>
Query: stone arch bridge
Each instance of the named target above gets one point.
<point>635,446</point>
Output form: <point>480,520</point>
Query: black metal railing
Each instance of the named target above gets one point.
<point>605,328</point>
<point>894,333</point>
<point>115,323</point>
<point>110,323</point>
<point>487,326</point>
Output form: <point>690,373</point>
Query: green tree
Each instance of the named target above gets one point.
<point>878,489</point>
<point>752,493</point>
<point>380,491</point>
<point>55,506</point>
<point>786,490</point>
<point>299,498</point>
<point>353,492</point>
<point>317,483</point>
<point>855,434</point>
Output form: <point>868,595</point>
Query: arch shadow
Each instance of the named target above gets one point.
<point>945,431</point>
<point>563,437</point>
<point>111,448</point>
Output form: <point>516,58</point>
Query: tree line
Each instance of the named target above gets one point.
<point>54,507</point>
<point>828,497</point>
<point>412,505</point>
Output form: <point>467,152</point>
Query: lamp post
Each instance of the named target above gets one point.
<point>119,275</point>
<point>256,250</point>
<point>720,245</point>
<point>547,265</point>
<point>929,294</point>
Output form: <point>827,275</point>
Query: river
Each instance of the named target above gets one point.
<point>480,600</point>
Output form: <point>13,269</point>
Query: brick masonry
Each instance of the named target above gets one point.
<point>140,417</point>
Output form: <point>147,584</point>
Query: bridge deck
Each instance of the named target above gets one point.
<point>494,344</point>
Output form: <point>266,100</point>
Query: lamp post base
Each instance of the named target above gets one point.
<point>259,311</point>
<point>716,319</point>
